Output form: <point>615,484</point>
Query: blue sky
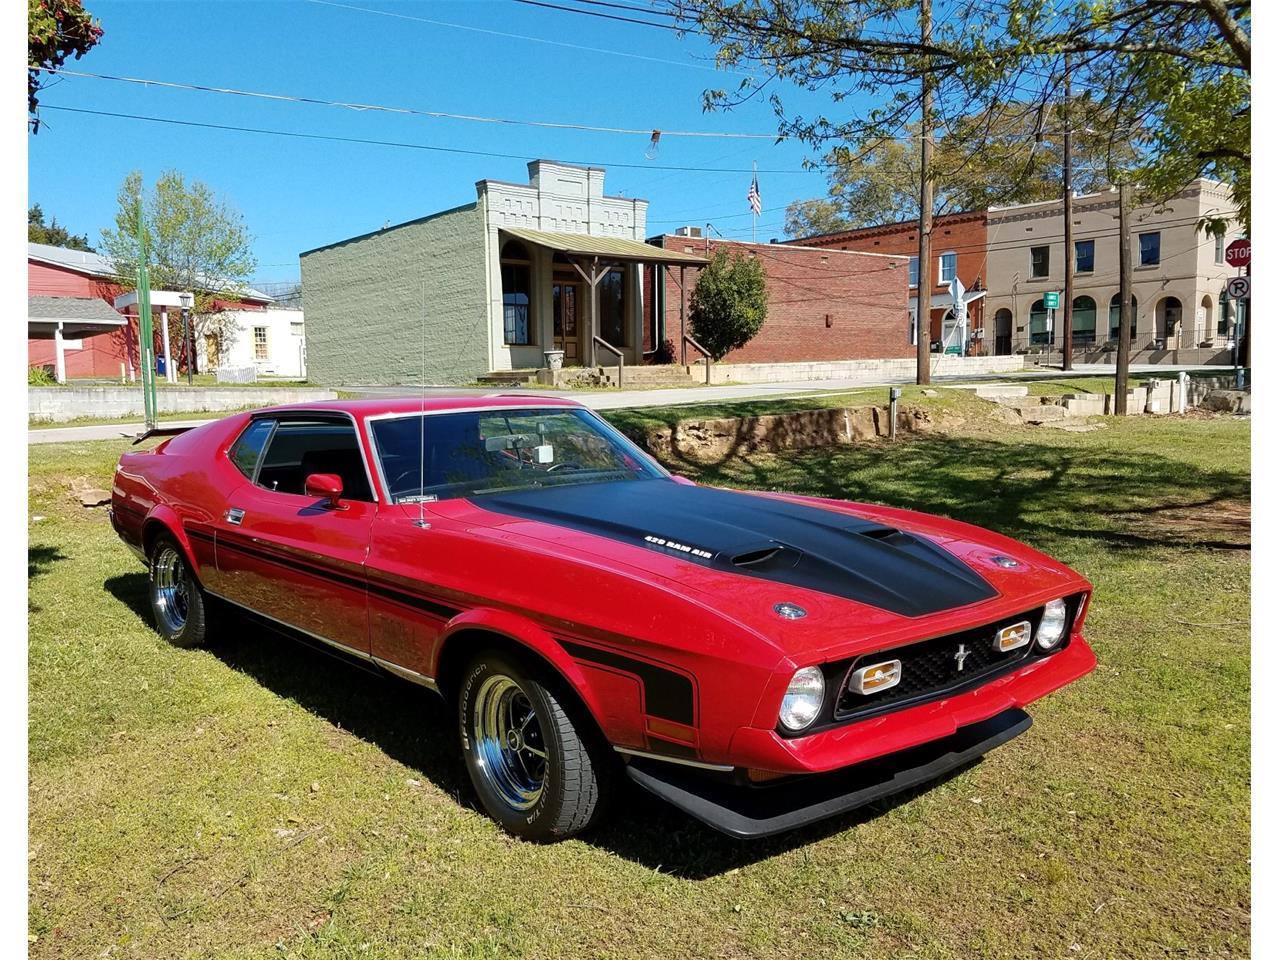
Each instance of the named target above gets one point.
<point>296,194</point>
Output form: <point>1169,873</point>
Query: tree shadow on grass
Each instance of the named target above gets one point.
<point>1034,491</point>
<point>40,559</point>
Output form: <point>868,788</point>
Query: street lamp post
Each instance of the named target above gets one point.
<point>187,300</point>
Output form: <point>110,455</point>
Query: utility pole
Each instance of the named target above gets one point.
<point>146,333</point>
<point>1120,405</point>
<point>924,272</point>
<point>1068,247</point>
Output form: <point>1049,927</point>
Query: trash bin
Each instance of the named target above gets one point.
<point>160,365</point>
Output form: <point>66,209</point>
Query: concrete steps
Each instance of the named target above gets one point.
<point>1031,410</point>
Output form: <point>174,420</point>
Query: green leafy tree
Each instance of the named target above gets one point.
<point>881,184</point>
<point>53,233</point>
<point>729,302</point>
<point>195,242</point>
<point>56,30</point>
<point>1167,79</point>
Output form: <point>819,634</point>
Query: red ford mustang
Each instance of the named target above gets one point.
<point>759,660</point>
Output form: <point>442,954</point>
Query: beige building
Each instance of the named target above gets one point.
<point>1179,275</point>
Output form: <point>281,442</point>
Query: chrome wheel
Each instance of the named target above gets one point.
<point>508,743</point>
<point>169,589</point>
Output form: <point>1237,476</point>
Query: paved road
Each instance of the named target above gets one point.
<point>612,399</point>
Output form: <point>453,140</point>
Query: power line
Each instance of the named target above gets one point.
<point>382,108</point>
<point>532,39</point>
<point>405,145</point>
<point>598,13</point>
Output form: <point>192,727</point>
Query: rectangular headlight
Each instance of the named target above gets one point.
<point>877,677</point>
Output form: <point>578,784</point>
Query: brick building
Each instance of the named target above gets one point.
<point>824,304</point>
<point>959,250</point>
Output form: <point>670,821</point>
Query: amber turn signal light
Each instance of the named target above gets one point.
<point>877,677</point>
<point>1013,637</point>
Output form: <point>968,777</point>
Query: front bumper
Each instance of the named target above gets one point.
<point>752,811</point>
<point>861,740</point>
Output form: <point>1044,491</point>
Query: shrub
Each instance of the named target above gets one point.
<point>40,377</point>
<point>729,302</point>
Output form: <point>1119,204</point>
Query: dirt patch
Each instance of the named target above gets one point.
<point>1223,524</point>
<point>716,440</point>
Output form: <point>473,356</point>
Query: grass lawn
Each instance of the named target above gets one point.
<point>260,800</point>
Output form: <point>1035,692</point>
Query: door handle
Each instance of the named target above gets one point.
<point>235,515</point>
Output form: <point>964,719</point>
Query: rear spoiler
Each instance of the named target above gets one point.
<point>161,432</point>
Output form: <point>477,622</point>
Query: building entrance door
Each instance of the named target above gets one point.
<point>564,314</point>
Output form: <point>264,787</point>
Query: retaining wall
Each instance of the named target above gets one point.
<point>873,371</point>
<point>60,404</point>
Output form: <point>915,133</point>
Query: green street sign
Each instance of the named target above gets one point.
<point>1051,301</point>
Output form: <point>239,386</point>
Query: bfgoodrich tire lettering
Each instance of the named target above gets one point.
<point>535,771</point>
<point>178,605</point>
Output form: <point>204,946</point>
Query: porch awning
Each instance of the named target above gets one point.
<point>606,248</point>
<point>79,316</point>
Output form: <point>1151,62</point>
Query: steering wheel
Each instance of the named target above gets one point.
<point>564,465</point>
<point>395,484</point>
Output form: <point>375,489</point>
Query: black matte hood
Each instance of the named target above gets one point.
<point>761,537</point>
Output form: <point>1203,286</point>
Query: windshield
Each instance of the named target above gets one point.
<point>469,454</point>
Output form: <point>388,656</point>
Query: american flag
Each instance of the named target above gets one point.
<point>753,197</point>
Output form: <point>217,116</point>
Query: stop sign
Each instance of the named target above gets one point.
<point>1238,253</point>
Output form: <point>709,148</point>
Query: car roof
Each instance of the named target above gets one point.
<point>432,403</point>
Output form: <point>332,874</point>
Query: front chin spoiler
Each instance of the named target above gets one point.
<point>749,812</point>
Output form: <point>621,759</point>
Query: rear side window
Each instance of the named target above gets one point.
<point>300,448</point>
<point>247,450</point>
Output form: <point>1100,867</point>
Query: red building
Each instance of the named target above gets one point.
<point>74,275</point>
<point>824,304</point>
<point>59,281</point>
<point>959,249</point>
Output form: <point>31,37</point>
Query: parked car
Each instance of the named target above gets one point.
<point>760,660</point>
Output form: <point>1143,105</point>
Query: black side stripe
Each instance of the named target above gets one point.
<point>386,592</point>
<point>667,694</point>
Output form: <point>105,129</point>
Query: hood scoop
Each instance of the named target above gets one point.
<point>763,538</point>
<point>766,557</point>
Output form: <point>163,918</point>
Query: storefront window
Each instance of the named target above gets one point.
<point>613,308</point>
<point>516,294</point>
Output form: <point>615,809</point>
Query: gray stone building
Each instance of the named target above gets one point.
<point>526,276</point>
<point>1179,277</point>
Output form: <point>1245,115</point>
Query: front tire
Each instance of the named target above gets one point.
<point>178,604</point>
<point>537,773</point>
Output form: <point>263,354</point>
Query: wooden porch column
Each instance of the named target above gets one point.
<point>170,374</point>
<point>59,355</point>
<point>593,325</point>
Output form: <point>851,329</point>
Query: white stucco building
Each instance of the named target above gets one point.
<point>271,341</point>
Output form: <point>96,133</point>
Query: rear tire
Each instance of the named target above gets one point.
<point>178,604</point>
<point>538,773</point>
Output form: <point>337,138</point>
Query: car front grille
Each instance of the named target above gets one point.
<point>933,668</point>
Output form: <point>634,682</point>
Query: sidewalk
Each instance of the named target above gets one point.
<point>614,399</point>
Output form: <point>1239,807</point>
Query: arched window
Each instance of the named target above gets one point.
<point>1084,320</point>
<point>1115,318</point>
<point>516,293</point>
<point>1039,323</point>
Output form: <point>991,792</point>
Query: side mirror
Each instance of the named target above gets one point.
<point>326,486</point>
